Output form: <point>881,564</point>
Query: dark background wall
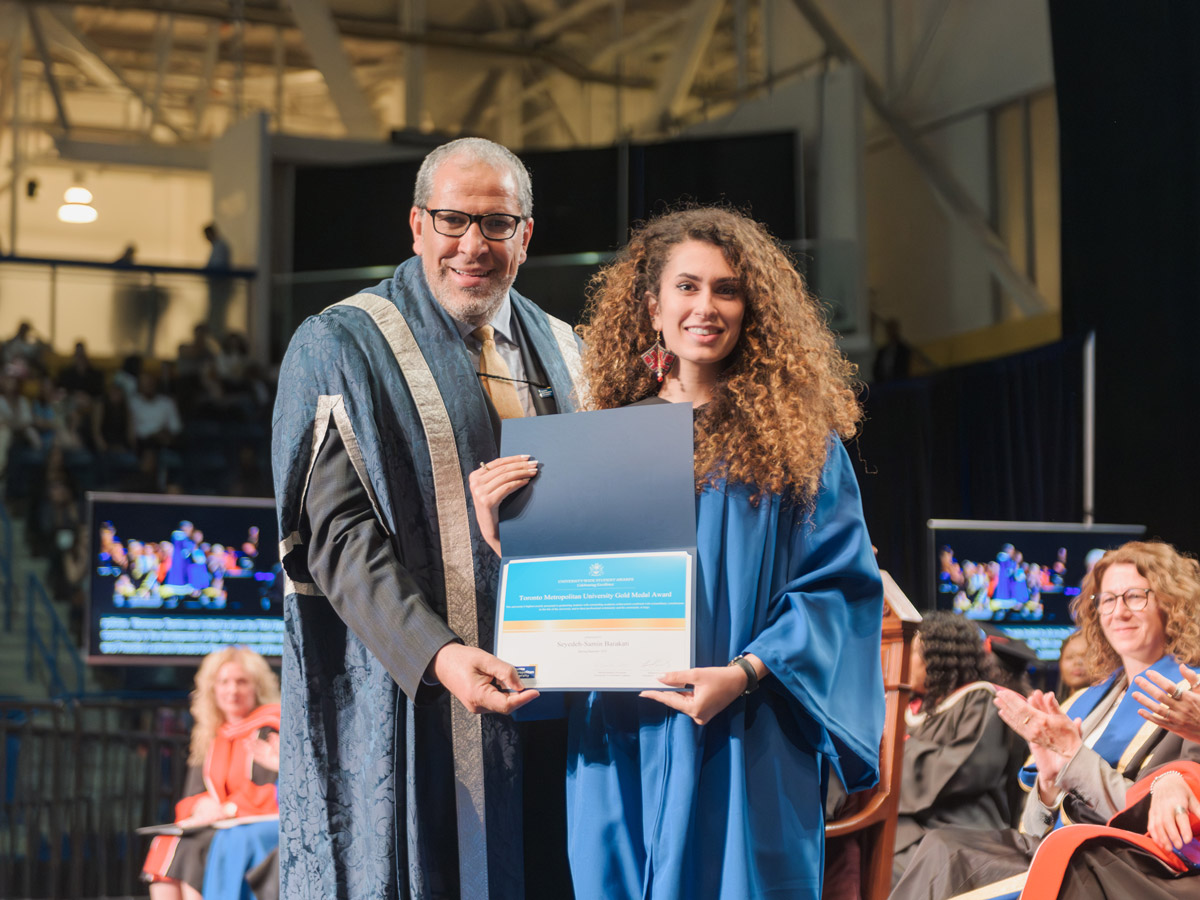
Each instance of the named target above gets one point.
<point>584,203</point>
<point>1129,110</point>
<point>584,200</point>
<point>997,440</point>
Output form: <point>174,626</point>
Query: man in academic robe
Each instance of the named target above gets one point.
<point>401,771</point>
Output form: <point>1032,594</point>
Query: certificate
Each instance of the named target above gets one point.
<point>597,579</point>
<point>615,620</point>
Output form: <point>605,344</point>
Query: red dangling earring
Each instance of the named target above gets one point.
<point>658,358</point>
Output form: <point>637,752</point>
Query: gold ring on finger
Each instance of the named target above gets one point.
<point>1025,721</point>
<point>484,466</point>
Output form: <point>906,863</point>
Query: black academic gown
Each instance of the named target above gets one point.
<point>958,763</point>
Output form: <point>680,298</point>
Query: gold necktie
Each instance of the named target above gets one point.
<point>503,393</point>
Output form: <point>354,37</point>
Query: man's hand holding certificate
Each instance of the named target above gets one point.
<point>599,550</point>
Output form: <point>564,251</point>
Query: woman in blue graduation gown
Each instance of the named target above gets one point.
<point>716,790</point>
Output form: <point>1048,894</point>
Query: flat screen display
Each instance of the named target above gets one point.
<point>1019,576</point>
<point>173,578</point>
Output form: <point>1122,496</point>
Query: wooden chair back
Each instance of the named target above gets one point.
<point>874,821</point>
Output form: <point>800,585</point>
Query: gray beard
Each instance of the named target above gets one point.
<point>470,307</point>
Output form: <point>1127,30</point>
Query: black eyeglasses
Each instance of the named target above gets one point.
<point>493,226</point>
<point>1135,599</point>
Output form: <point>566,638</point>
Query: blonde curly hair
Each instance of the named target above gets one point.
<point>785,387</point>
<point>207,717</point>
<point>1175,580</point>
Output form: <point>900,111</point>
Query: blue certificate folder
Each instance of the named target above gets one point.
<point>598,571</point>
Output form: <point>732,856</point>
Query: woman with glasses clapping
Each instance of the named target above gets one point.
<point>1137,610</point>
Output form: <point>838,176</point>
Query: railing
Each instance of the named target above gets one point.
<point>79,778</point>
<point>39,649</point>
<point>6,567</point>
<point>558,284</point>
<point>117,309</point>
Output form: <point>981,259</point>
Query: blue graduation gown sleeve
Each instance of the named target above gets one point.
<point>821,642</point>
<point>661,807</point>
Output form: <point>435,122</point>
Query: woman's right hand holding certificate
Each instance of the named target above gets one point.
<point>713,688</point>
<point>490,484</point>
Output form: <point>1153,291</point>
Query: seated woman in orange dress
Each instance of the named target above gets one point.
<point>232,766</point>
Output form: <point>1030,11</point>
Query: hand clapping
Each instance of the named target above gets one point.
<point>1053,737</point>
<point>1040,720</point>
<point>1176,707</point>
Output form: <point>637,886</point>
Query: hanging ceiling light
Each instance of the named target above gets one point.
<point>77,213</point>
<point>77,209</point>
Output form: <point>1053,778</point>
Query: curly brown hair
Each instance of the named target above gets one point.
<point>1175,580</point>
<point>952,648</point>
<point>785,388</point>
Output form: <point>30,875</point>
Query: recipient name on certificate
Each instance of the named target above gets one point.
<point>596,622</point>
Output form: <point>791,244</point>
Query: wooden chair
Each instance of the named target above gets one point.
<point>872,824</point>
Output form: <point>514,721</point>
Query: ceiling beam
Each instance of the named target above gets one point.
<point>946,187</point>
<point>64,32</point>
<point>325,43</point>
<point>633,42</point>
<point>125,41</point>
<point>675,81</point>
<point>548,28</point>
<point>666,25</point>
<point>67,47</point>
<point>484,99</point>
<point>280,55</point>
<point>134,153</point>
<point>163,40</point>
<point>208,67</point>
<point>381,30</point>
<point>414,20</point>
<point>39,40</point>
<point>741,42</point>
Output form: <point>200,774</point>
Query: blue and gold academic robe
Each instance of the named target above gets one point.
<point>376,798</point>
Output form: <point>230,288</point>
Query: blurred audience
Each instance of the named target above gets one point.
<point>1073,672</point>
<point>24,354</point>
<point>16,418</point>
<point>130,373</point>
<point>199,426</point>
<point>81,375</point>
